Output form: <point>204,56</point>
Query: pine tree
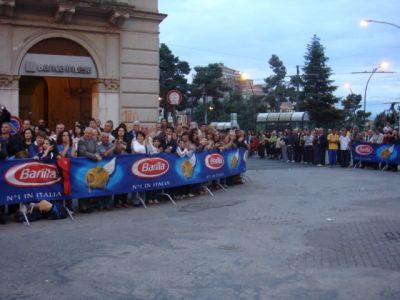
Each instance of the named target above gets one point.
<point>318,98</point>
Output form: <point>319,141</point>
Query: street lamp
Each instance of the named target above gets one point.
<point>347,86</point>
<point>382,65</point>
<point>245,77</point>
<point>364,23</point>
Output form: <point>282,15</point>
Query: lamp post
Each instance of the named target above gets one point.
<point>381,65</point>
<point>364,23</point>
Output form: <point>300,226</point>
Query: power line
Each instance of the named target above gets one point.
<point>217,52</point>
<point>253,58</point>
<point>349,73</point>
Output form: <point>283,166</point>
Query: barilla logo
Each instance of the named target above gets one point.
<point>364,150</point>
<point>32,174</point>
<point>214,161</point>
<point>150,167</point>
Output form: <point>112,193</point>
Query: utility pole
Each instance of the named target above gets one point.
<point>297,87</point>
<point>205,106</point>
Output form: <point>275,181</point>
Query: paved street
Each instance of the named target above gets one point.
<point>291,232</point>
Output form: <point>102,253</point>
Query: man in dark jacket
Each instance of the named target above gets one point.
<point>321,144</point>
<point>169,144</point>
<point>290,145</point>
<point>3,149</point>
<point>11,142</point>
<point>3,156</point>
<point>5,115</point>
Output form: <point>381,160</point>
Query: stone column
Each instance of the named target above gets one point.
<point>105,100</point>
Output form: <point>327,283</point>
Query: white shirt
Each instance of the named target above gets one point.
<point>344,142</point>
<point>137,147</point>
<point>152,150</point>
<point>183,152</point>
<point>377,138</point>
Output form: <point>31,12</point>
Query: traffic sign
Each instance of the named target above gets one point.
<point>174,97</point>
<point>15,124</point>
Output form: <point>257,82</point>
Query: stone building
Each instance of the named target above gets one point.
<point>68,60</point>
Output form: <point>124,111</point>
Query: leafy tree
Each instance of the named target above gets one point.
<point>390,116</point>
<point>380,120</point>
<point>294,88</point>
<point>172,76</point>
<point>275,85</point>
<point>352,115</point>
<point>208,82</point>
<point>318,98</point>
<point>243,106</point>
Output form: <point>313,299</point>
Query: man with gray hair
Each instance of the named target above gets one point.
<point>106,149</point>
<point>88,147</point>
<point>109,127</point>
<point>136,128</point>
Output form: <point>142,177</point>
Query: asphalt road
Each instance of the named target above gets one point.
<point>290,232</point>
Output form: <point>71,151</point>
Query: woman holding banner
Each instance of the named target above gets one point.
<point>28,142</point>
<point>122,146</point>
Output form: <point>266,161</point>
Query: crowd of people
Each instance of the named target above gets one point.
<point>313,146</point>
<point>36,141</point>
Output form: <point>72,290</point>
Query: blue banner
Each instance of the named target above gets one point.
<point>377,153</point>
<point>32,180</point>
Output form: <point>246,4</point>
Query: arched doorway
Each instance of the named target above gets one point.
<point>56,83</point>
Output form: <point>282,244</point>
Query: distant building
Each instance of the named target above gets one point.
<point>232,78</point>
<point>71,60</point>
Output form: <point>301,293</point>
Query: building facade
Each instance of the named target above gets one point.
<point>69,60</point>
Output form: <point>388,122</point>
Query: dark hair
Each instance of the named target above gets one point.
<point>191,136</point>
<point>122,125</point>
<point>157,138</point>
<point>60,137</point>
<point>42,134</point>
<point>54,144</point>
<point>140,133</point>
<point>32,132</point>
<point>170,127</point>
<point>125,137</point>
<point>80,128</point>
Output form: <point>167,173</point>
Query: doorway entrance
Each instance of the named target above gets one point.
<point>56,82</point>
<point>55,99</point>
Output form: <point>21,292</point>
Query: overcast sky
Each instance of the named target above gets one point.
<point>243,34</point>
